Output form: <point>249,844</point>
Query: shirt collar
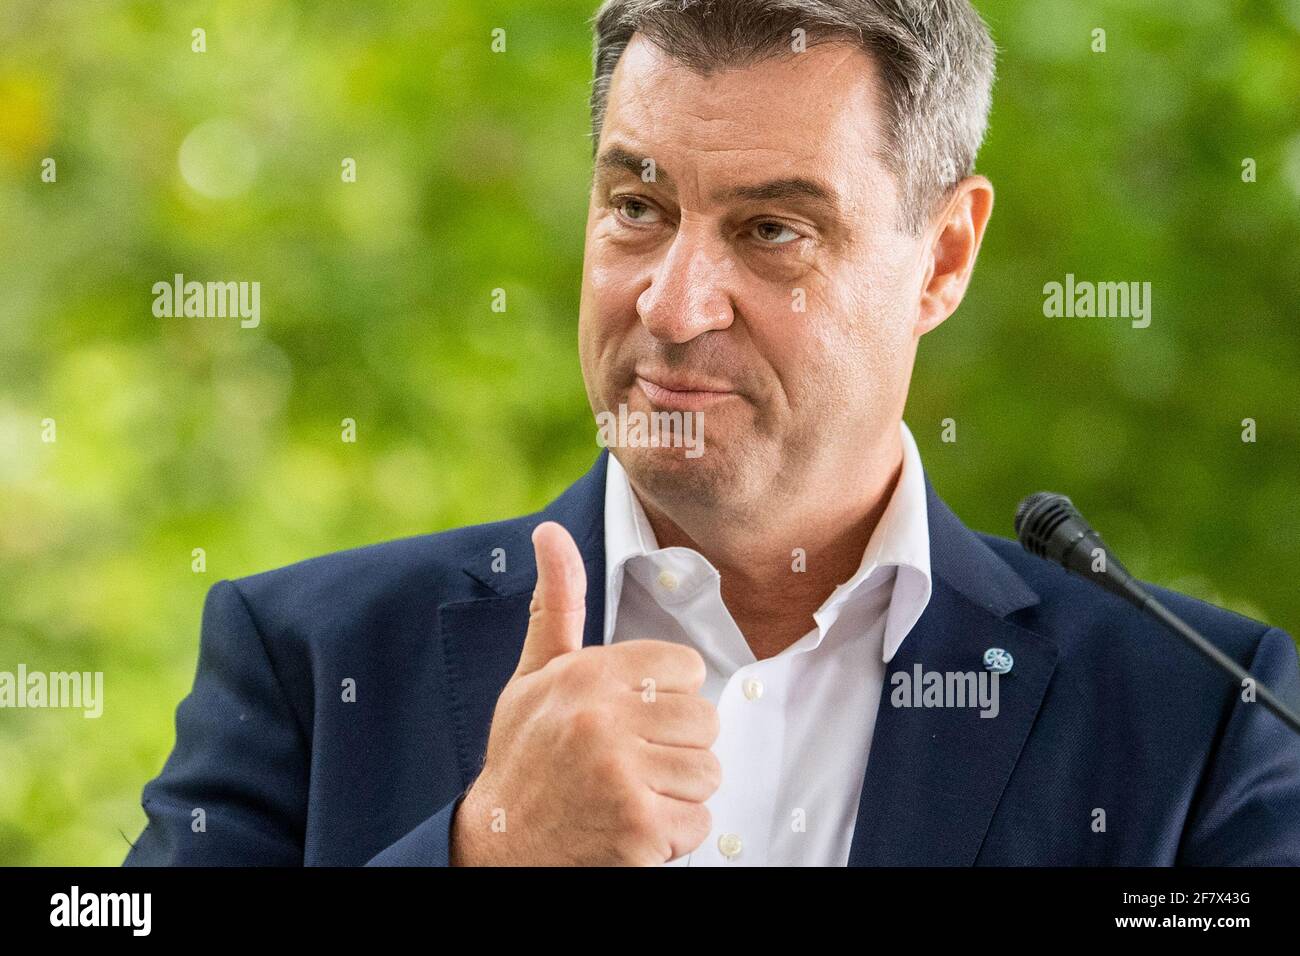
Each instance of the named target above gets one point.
<point>627,535</point>
<point>900,540</point>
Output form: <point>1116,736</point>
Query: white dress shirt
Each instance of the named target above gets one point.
<point>796,728</point>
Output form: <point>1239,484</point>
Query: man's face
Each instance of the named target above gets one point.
<point>763,278</point>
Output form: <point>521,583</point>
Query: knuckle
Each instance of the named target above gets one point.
<point>708,721</point>
<point>637,816</point>
<point>711,770</point>
<point>609,770</point>
<point>585,724</point>
<point>693,664</point>
<point>700,820</point>
<point>694,827</point>
<point>642,658</point>
<point>578,672</point>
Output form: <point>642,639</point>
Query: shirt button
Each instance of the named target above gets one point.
<point>668,580</point>
<point>729,845</point>
<point>753,688</point>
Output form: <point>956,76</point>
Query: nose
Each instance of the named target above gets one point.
<point>688,293</point>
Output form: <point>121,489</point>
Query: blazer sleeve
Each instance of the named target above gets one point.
<point>1248,813</point>
<point>429,844</point>
<point>234,790</point>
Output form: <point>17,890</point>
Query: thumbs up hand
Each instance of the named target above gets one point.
<point>596,755</point>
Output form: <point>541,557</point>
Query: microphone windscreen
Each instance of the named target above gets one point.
<point>1038,516</point>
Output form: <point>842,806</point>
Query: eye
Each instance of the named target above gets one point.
<point>635,210</point>
<point>775,233</point>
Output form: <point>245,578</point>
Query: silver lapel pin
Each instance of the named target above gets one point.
<point>998,660</point>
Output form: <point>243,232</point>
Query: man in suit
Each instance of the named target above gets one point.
<point>764,641</point>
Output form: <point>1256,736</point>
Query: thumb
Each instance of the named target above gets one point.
<point>559,608</point>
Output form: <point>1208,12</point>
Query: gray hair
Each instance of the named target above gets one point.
<point>936,58</point>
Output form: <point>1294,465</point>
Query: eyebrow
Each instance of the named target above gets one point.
<point>618,159</point>
<point>780,190</point>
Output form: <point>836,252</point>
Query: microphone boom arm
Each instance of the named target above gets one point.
<point>1049,526</point>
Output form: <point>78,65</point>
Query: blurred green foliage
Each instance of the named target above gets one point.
<point>472,174</point>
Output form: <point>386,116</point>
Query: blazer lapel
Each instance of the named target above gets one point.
<point>934,775</point>
<point>482,638</point>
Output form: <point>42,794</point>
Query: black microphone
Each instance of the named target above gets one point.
<point>1049,526</point>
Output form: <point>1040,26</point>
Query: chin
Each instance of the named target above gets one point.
<point>716,479</point>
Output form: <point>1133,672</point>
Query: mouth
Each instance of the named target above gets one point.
<point>680,392</point>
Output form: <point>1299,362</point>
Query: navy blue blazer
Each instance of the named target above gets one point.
<point>1115,743</point>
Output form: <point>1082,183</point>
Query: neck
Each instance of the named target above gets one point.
<point>779,568</point>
